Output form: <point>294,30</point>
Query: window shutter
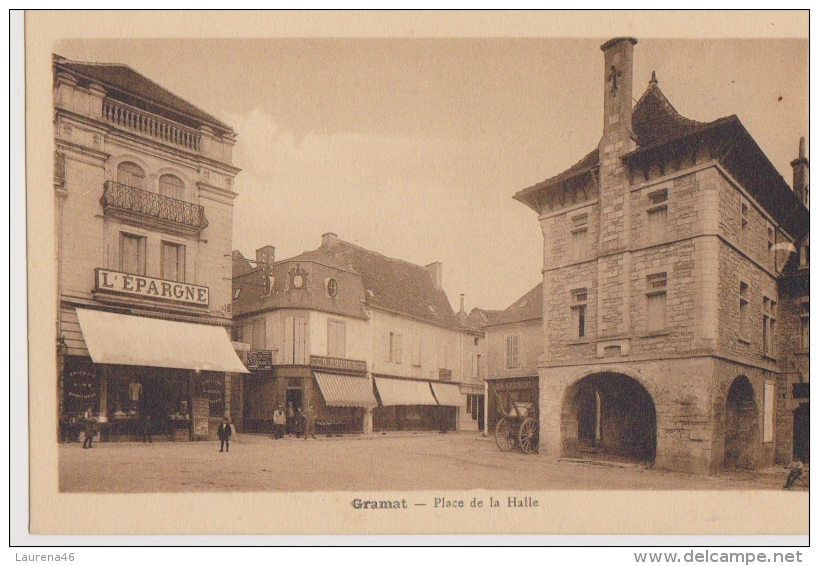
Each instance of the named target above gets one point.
<point>301,341</point>
<point>289,335</point>
<point>398,348</point>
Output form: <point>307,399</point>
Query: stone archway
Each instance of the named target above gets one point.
<point>741,424</point>
<point>609,415</point>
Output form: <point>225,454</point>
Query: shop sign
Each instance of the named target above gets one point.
<point>108,281</point>
<point>80,383</point>
<point>260,359</point>
<point>514,384</point>
<point>324,362</point>
<point>201,416</point>
<point>241,346</point>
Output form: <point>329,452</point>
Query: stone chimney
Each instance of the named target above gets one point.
<point>328,240</point>
<point>801,174</point>
<point>436,273</point>
<point>265,256</point>
<point>617,95</point>
<point>462,304</point>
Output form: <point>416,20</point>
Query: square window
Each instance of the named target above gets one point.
<point>656,302</point>
<point>657,218</point>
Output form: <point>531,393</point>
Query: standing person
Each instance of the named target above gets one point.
<point>291,417</point>
<point>224,432</point>
<point>298,422</point>
<point>796,469</point>
<point>146,429</point>
<point>279,423</point>
<point>309,422</point>
<point>88,428</point>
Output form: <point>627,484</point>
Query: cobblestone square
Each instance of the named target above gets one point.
<point>394,462</point>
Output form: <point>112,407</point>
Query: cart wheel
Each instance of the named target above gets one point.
<point>503,435</point>
<point>528,436</point>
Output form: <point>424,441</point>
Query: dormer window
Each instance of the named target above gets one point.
<point>332,287</point>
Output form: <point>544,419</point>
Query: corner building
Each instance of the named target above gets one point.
<point>663,249</point>
<point>144,190</point>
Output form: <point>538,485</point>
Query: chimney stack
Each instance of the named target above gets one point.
<point>328,240</point>
<point>801,174</point>
<point>462,303</point>
<point>436,272</point>
<point>617,96</point>
<point>265,256</point>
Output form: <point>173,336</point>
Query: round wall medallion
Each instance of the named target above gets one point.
<point>298,281</point>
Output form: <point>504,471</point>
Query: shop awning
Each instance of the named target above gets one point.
<point>139,341</point>
<point>402,392</point>
<point>345,390</point>
<point>448,394</point>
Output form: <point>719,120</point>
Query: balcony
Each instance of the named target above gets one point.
<point>152,210</point>
<point>150,125</point>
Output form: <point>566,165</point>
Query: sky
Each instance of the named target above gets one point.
<point>414,147</point>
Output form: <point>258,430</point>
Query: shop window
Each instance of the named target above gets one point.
<point>132,254</point>
<point>805,322</point>
<point>656,302</point>
<point>744,311</point>
<point>579,243</point>
<point>80,385</point>
<point>131,174</point>
<point>768,413</point>
<point>657,215</point>
<point>295,340</point>
<point>768,325</point>
<point>473,405</point>
<point>212,386</point>
<point>512,351</point>
<point>580,299</point>
<point>173,261</point>
<point>172,186</point>
<point>336,339</point>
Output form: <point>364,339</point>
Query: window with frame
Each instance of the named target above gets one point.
<point>394,347</point>
<point>336,339</point>
<point>579,237</point>
<point>132,254</point>
<point>476,365</point>
<point>295,340</point>
<point>473,405</point>
<point>768,325</point>
<point>416,351</point>
<point>657,215</point>
<point>805,323</point>
<point>744,310</point>
<point>580,299</point>
<point>512,351</point>
<point>657,285</point>
<point>173,261</point>
<point>172,186</point>
<point>131,174</point>
<point>745,213</point>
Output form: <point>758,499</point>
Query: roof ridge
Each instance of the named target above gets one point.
<point>372,252</point>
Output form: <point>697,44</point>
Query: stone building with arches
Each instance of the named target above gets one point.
<point>666,330</point>
<point>144,191</point>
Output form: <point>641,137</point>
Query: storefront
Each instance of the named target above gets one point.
<point>171,378</point>
<point>504,391</point>
<point>413,405</point>
<point>337,389</point>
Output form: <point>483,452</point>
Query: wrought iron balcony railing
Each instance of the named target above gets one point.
<point>152,209</point>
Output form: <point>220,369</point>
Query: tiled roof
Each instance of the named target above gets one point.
<point>655,121</point>
<point>528,307</point>
<point>124,83</point>
<point>240,264</point>
<point>478,318</point>
<point>394,284</point>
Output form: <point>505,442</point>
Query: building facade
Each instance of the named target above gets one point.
<point>144,190</point>
<point>370,342</point>
<point>663,253</point>
<point>514,343</point>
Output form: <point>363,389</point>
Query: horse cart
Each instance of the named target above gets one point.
<point>518,427</point>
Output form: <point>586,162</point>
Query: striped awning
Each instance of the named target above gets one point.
<point>345,390</point>
<point>448,394</point>
<point>404,392</point>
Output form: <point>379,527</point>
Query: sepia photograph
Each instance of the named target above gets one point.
<point>488,278</point>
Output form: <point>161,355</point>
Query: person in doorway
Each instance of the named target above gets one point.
<point>279,423</point>
<point>146,429</point>
<point>298,422</point>
<point>88,421</point>
<point>309,422</point>
<point>290,416</point>
<point>797,469</point>
<point>224,433</point>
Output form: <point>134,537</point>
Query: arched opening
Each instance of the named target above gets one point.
<point>741,423</point>
<point>609,415</point>
<point>172,186</point>
<point>801,432</point>
<point>131,174</point>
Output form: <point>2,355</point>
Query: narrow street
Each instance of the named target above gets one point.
<point>411,462</point>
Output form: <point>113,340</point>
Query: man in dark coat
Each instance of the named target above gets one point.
<point>88,428</point>
<point>224,432</point>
